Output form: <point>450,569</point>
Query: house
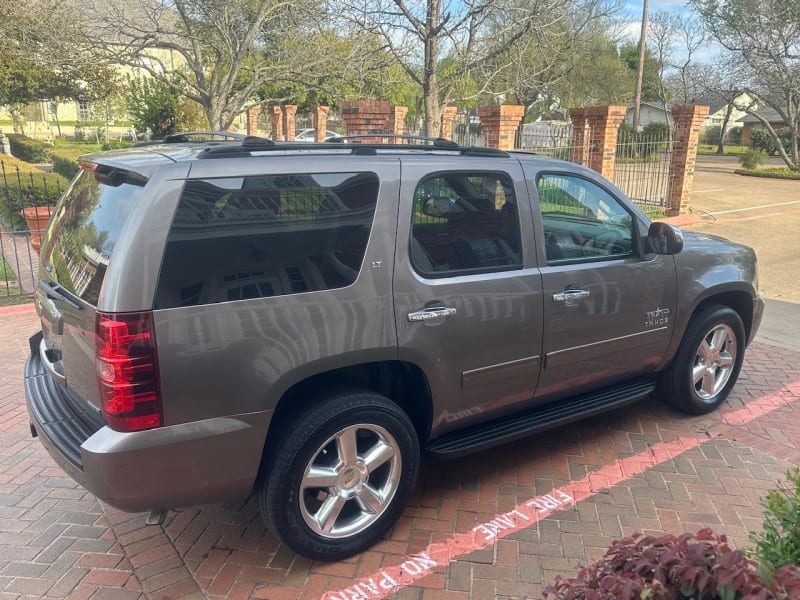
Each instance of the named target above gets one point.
<point>650,112</point>
<point>718,104</point>
<point>750,122</point>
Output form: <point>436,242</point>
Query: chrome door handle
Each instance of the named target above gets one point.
<point>433,312</point>
<point>569,296</point>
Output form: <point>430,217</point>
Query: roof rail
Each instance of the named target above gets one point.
<point>433,141</point>
<point>255,144</point>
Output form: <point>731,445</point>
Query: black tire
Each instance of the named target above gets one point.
<point>718,367</point>
<point>293,509</point>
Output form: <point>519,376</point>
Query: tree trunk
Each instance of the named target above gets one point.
<point>430,81</point>
<point>723,129</point>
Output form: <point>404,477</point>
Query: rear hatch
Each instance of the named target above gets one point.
<point>76,252</point>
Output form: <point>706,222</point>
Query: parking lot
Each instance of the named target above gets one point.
<point>500,524</point>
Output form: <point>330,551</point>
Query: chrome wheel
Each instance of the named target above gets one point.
<point>350,481</point>
<point>714,362</point>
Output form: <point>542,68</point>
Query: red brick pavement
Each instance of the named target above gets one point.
<point>57,541</point>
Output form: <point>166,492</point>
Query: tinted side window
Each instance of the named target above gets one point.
<point>238,238</point>
<point>465,222</point>
<point>582,221</point>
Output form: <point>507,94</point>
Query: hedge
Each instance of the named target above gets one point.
<point>27,149</point>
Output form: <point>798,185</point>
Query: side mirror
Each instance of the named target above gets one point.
<point>663,238</point>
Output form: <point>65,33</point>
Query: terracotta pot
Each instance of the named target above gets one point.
<point>37,218</point>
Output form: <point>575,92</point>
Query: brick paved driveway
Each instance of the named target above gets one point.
<point>57,541</point>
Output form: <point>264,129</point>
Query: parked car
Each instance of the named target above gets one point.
<point>310,135</point>
<point>303,321</point>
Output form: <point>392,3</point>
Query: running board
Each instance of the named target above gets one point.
<point>538,419</point>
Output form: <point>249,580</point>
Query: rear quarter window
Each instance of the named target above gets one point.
<point>239,238</point>
<point>85,228</point>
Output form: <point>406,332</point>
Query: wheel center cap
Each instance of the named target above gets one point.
<point>351,477</point>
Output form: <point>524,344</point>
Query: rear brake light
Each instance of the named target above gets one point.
<point>127,371</point>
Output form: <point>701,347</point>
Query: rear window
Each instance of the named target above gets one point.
<point>85,229</point>
<point>237,238</point>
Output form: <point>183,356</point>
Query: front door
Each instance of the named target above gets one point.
<point>608,307</point>
<point>468,304</point>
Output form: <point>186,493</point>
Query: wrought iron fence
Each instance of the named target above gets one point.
<point>26,199</point>
<point>642,167</point>
<point>555,139</point>
<point>467,129</point>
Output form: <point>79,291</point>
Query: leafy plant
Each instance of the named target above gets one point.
<point>778,544</point>
<point>762,139</point>
<point>752,159</point>
<point>698,566</point>
<point>153,106</point>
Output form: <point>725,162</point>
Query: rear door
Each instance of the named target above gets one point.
<point>468,304</point>
<point>75,256</point>
<point>608,307</point>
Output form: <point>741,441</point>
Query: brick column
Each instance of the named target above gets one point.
<point>603,123</point>
<point>499,124</point>
<point>252,120</point>
<point>397,119</point>
<point>688,120</point>
<point>277,122</point>
<point>290,122</point>
<point>580,136</point>
<point>367,116</point>
<point>448,118</point>
<point>319,119</point>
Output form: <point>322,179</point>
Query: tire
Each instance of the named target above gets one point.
<point>356,498</point>
<point>707,363</point>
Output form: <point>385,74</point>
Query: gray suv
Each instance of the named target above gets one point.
<point>304,321</point>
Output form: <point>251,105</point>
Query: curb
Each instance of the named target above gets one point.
<point>681,220</point>
<point>17,309</point>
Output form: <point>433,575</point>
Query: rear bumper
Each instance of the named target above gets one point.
<point>214,460</point>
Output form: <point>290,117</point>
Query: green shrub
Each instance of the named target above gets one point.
<point>778,544</point>
<point>752,159</point>
<point>762,139</point>
<point>734,135</point>
<point>27,149</point>
<point>65,159</point>
<point>23,185</point>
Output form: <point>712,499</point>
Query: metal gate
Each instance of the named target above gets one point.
<point>642,167</point>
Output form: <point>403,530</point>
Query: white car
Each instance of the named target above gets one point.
<point>309,135</point>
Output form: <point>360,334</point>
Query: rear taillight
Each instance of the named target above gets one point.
<point>127,370</point>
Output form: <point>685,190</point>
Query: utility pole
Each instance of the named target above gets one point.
<point>640,73</point>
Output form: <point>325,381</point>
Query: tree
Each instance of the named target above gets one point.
<point>764,39</point>
<point>588,70</point>
<point>629,54</point>
<point>471,34</point>
<point>218,54</point>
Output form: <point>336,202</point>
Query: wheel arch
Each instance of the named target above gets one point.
<point>403,383</point>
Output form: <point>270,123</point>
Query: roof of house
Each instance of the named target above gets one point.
<point>770,114</point>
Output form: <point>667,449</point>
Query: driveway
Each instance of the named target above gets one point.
<point>762,213</point>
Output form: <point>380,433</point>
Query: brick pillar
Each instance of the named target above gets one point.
<point>580,136</point>
<point>448,118</point>
<point>290,122</point>
<point>500,123</point>
<point>397,119</point>
<point>277,122</point>
<point>687,121</point>
<point>319,118</point>
<point>367,116</point>
<point>252,120</point>
<point>603,122</point>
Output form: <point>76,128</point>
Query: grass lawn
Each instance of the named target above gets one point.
<point>774,173</point>
<point>730,149</point>
<point>8,282</point>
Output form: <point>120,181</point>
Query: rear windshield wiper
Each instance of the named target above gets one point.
<point>51,289</point>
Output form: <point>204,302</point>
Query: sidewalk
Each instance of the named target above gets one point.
<point>500,524</point>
